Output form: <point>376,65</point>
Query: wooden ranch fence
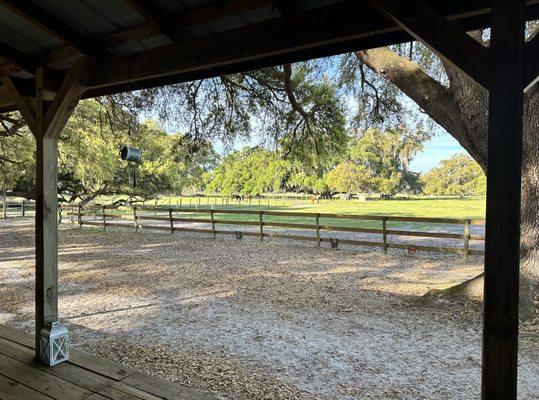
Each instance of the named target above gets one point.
<point>16,208</point>
<point>169,219</point>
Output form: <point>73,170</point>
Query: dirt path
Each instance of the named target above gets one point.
<point>246,320</point>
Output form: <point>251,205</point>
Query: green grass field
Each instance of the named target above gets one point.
<point>471,207</point>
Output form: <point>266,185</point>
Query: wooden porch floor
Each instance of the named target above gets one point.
<point>83,377</point>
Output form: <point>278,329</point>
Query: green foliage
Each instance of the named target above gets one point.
<point>458,175</point>
<point>17,149</point>
<point>377,162</point>
<point>250,171</point>
<point>89,163</point>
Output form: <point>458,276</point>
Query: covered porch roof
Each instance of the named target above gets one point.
<point>54,52</point>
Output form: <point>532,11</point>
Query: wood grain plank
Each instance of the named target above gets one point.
<point>69,372</point>
<point>162,388</point>
<point>11,390</point>
<point>40,380</point>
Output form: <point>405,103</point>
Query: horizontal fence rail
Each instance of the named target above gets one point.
<point>171,219</point>
<point>16,208</point>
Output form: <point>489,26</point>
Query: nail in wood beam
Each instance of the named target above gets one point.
<point>502,246</point>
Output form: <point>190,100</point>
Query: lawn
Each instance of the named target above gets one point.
<point>469,207</point>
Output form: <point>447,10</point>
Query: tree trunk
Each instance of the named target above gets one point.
<point>462,110</point>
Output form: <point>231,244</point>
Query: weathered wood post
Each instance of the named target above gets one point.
<point>4,201</point>
<point>261,225</point>
<point>135,216</point>
<point>466,237</point>
<point>104,218</point>
<point>213,223</point>
<point>502,246</point>
<point>23,211</point>
<point>384,233</point>
<point>79,215</point>
<point>171,221</point>
<point>317,222</point>
<point>45,124</point>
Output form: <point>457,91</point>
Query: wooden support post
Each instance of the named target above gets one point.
<point>79,215</point>
<point>502,246</point>
<point>4,201</point>
<point>104,218</point>
<point>213,224</point>
<point>45,124</point>
<point>384,233</point>
<point>317,230</point>
<point>46,233</point>
<point>261,224</point>
<point>171,221</point>
<point>72,213</point>
<point>466,237</point>
<point>22,209</point>
<point>135,217</point>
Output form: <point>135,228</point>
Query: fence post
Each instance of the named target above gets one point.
<point>261,226</point>
<point>59,214</point>
<point>466,237</point>
<point>72,213</point>
<point>384,233</point>
<point>79,214</point>
<point>104,218</point>
<point>22,209</point>
<point>135,217</point>
<point>171,221</point>
<point>318,230</point>
<point>213,224</point>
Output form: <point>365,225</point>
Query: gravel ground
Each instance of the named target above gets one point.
<point>272,320</point>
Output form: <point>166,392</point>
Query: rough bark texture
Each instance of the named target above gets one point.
<point>462,110</point>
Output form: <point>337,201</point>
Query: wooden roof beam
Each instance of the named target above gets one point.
<point>531,72</point>
<point>440,35</point>
<point>54,25</point>
<point>161,19</point>
<point>328,30</point>
<point>17,57</point>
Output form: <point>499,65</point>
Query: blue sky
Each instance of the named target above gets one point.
<point>441,146</point>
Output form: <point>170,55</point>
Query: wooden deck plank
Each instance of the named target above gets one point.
<point>83,377</point>
<point>134,391</point>
<point>127,393</point>
<point>70,372</point>
<point>79,358</point>
<point>40,380</point>
<point>98,365</point>
<point>11,390</point>
<point>162,388</point>
<point>17,336</point>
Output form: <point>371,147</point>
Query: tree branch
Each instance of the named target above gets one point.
<point>434,98</point>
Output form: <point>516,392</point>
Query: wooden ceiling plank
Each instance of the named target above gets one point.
<point>440,35</point>
<point>17,57</point>
<point>161,19</point>
<point>49,22</point>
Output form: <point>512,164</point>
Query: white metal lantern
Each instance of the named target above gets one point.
<point>54,344</point>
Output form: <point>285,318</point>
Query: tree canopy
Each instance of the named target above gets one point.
<point>458,175</point>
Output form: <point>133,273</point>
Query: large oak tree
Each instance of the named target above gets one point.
<point>460,106</point>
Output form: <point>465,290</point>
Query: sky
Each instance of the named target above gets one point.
<point>441,146</point>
